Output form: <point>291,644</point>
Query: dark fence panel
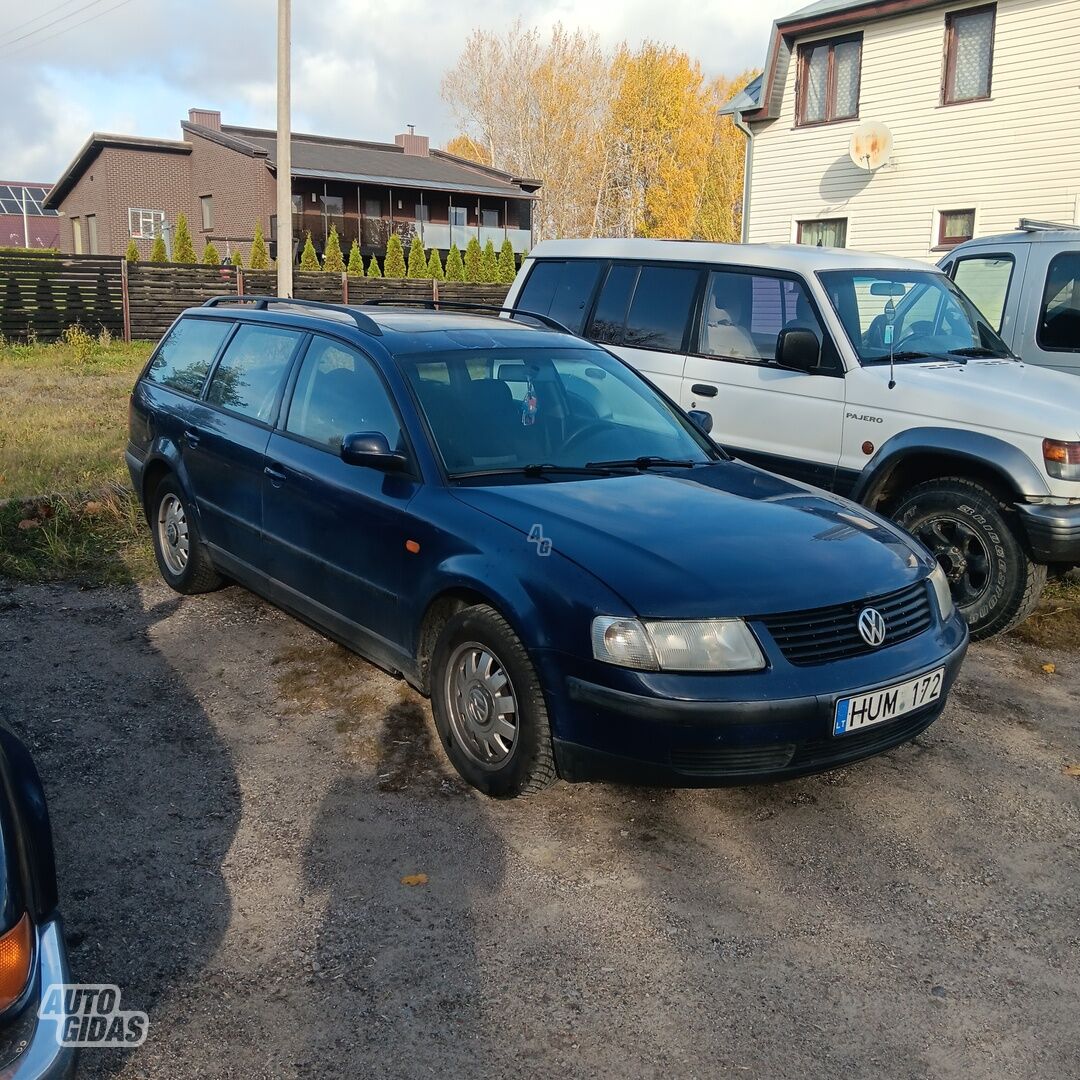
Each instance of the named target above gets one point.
<point>43,294</point>
<point>158,292</point>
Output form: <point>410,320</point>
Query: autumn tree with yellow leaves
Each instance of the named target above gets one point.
<point>628,144</point>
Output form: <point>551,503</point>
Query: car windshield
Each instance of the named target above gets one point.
<point>504,410</point>
<point>909,314</point>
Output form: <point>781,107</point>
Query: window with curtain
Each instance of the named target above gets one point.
<point>827,232</point>
<point>829,76</point>
<point>955,226</point>
<point>969,54</point>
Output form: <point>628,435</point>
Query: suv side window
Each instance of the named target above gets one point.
<point>1059,316</point>
<point>184,357</point>
<point>249,376</point>
<point>986,279</point>
<point>339,392</point>
<point>562,290</point>
<point>745,312</point>
<point>661,308</point>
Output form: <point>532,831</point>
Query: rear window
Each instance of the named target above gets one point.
<point>562,290</point>
<point>660,311</point>
<point>185,356</point>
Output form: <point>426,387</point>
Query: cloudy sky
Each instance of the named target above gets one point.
<point>360,69</point>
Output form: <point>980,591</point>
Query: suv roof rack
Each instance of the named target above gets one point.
<point>456,305</point>
<point>1034,225</point>
<point>313,307</point>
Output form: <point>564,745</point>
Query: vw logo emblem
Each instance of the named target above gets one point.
<point>872,626</point>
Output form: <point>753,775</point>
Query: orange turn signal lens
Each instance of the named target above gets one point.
<point>15,953</point>
<point>1062,459</point>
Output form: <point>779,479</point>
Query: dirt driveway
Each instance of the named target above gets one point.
<point>236,801</point>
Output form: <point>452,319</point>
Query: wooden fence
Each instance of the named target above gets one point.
<point>41,295</point>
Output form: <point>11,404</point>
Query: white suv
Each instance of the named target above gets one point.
<point>870,376</point>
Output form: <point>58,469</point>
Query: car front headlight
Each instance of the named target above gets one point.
<point>676,645</point>
<point>944,592</point>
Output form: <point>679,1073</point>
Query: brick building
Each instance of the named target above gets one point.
<point>223,179</point>
<point>23,220</point>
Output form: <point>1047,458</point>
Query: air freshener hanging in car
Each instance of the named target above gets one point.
<point>529,406</point>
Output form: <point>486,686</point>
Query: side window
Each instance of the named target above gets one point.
<point>340,392</point>
<point>744,314</point>
<point>185,356</point>
<point>985,279</point>
<point>1059,317</point>
<point>660,310</point>
<point>609,318</point>
<point>919,312</point>
<point>561,289</point>
<point>249,375</point>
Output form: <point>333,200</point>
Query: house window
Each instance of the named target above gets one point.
<point>91,232</point>
<point>489,219</point>
<point>207,204</point>
<point>76,235</point>
<point>829,74</point>
<point>423,212</point>
<point>955,226</point>
<point>826,232</point>
<point>459,215</point>
<point>145,224</point>
<point>969,55</point>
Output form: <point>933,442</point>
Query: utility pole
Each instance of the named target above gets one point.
<point>284,152</point>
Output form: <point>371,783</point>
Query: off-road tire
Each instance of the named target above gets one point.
<point>199,575</point>
<point>1015,580</point>
<point>531,764</point>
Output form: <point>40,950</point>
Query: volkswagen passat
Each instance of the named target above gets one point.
<point>533,535</point>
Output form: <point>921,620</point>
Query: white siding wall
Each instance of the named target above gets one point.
<point>1017,154</point>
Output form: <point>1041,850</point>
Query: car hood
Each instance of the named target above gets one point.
<point>720,540</point>
<point>1002,394</point>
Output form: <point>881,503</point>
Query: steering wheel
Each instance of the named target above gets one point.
<point>579,436</point>
<point>918,342</point>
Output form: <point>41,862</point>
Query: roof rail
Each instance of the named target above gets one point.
<point>456,305</point>
<point>1033,225</point>
<point>313,307</point>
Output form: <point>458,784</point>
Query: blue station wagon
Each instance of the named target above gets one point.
<point>533,535</point>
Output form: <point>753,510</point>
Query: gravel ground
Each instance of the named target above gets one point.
<point>235,802</point>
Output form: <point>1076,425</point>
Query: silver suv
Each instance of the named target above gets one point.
<point>1027,284</point>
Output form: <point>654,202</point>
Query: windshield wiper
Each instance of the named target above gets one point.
<point>906,354</point>
<point>980,350</point>
<point>542,468</point>
<point>649,462</point>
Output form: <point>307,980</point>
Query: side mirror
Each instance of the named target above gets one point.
<point>798,349</point>
<point>370,448</point>
<point>701,419</point>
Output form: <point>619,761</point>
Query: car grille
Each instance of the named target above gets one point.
<point>733,761</point>
<point>832,633</point>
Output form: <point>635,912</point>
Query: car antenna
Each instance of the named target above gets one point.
<point>890,319</point>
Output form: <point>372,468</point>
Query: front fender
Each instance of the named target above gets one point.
<point>1016,469</point>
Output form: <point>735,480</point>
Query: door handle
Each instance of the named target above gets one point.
<point>276,473</point>
<point>703,390</point>
<point>191,438</point>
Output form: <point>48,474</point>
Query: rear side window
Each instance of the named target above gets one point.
<point>660,310</point>
<point>562,290</point>
<point>339,392</point>
<point>1059,316</point>
<point>985,279</point>
<point>185,356</point>
<point>250,374</point>
<point>609,318</point>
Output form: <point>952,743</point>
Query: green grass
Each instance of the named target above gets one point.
<point>65,511</point>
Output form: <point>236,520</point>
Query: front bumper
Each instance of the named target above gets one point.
<point>613,734</point>
<point>1053,532</point>
<point>43,1058</point>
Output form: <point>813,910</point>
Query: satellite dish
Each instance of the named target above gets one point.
<point>870,146</point>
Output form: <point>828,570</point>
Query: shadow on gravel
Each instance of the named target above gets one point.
<point>410,996</point>
<point>142,793</point>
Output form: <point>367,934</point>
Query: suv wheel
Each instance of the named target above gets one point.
<point>967,528</point>
<point>181,555</point>
<point>489,709</point>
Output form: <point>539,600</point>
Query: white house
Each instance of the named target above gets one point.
<point>982,102</point>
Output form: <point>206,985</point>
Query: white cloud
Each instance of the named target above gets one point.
<point>362,70</point>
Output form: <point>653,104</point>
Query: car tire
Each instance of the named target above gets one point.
<point>489,709</point>
<point>973,535</point>
<point>181,555</point>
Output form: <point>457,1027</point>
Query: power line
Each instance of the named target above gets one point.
<point>38,18</point>
<point>38,30</point>
<point>63,30</point>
